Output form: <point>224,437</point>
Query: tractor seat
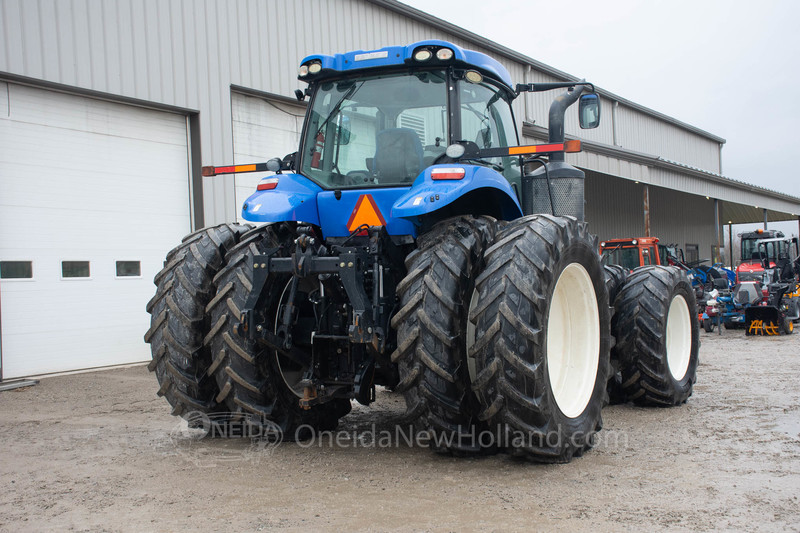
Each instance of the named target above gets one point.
<point>398,156</point>
<point>783,268</point>
<point>721,284</point>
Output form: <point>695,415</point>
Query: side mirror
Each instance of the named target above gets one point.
<point>589,111</point>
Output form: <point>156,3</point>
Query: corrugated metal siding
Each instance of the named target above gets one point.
<point>614,209</point>
<point>643,133</point>
<point>601,163</point>
<point>613,206</point>
<point>187,53</point>
<point>681,182</point>
<point>677,217</point>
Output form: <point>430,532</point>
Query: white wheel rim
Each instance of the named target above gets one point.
<point>573,340</point>
<point>679,337</point>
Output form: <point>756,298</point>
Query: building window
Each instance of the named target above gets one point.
<point>16,269</point>
<point>75,269</point>
<point>129,269</point>
<point>692,253</point>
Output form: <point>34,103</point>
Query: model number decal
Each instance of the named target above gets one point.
<point>371,55</point>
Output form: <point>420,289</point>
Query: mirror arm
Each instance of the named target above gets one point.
<point>539,87</point>
<point>288,161</point>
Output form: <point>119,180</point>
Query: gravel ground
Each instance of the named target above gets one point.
<point>99,451</point>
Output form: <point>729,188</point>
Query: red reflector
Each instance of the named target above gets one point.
<point>267,184</point>
<point>448,173</point>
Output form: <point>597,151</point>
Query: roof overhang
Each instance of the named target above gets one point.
<point>758,198</point>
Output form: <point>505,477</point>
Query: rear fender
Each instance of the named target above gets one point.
<point>294,198</point>
<point>482,191</point>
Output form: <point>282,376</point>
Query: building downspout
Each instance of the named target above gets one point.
<point>718,228</point>
<point>730,242</point>
<point>526,111</point>
<point>646,209</point>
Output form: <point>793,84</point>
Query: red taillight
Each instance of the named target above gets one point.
<point>448,173</point>
<point>267,184</point>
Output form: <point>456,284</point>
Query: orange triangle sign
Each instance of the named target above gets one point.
<point>366,212</point>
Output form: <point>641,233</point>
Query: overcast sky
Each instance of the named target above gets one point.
<point>728,67</point>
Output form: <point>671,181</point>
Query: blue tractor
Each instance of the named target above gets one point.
<point>410,242</point>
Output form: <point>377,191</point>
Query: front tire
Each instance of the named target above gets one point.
<point>542,338</point>
<point>657,334</point>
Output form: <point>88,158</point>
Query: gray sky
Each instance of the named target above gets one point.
<point>728,67</point>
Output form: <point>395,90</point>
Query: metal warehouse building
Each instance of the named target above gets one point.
<point>109,109</point>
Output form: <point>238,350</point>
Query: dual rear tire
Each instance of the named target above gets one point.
<point>542,338</point>
<point>657,333</point>
<point>534,370</point>
<point>432,327</point>
<point>504,339</point>
<point>179,321</point>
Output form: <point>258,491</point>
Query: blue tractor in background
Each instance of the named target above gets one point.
<point>411,242</point>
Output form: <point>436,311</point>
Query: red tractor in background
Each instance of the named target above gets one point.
<point>751,268</point>
<point>632,253</point>
<point>779,259</point>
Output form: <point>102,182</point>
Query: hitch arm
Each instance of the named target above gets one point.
<point>273,165</point>
<point>235,169</point>
<point>471,150</point>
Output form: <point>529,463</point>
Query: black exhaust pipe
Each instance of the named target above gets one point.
<point>555,187</point>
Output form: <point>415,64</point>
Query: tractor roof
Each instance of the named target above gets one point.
<point>775,239</point>
<point>761,233</point>
<point>629,241</point>
<point>410,55</point>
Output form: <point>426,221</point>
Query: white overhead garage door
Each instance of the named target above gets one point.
<point>262,129</point>
<point>92,196</point>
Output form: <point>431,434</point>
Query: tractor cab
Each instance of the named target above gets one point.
<point>405,136</point>
<point>382,129</point>
<point>780,307</point>
<point>633,253</point>
<point>778,258</point>
<point>750,267</point>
